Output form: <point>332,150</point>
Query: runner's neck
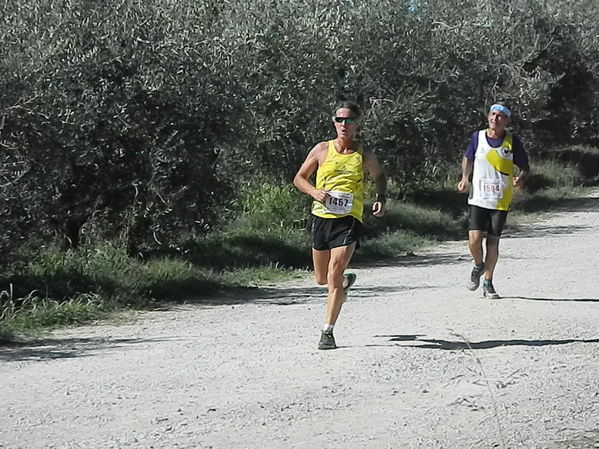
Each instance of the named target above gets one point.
<point>344,146</point>
<point>496,133</point>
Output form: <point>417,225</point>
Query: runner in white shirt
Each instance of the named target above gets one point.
<point>488,168</point>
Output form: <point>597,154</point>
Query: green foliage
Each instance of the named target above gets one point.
<point>418,223</point>
<point>542,200</point>
<point>552,173</point>
<point>259,276</point>
<point>391,245</point>
<point>581,158</point>
<point>175,128</point>
<point>62,274</point>
<point>243,248</point>
<point>35,313</point>
<point>133,121</point>
<point>107,271</point>
<point>265,226</point>
<point>107,136</point>
<point>62,288</point>
<point>268,204</point>
<point>553,181</point>
<point>168,279</point>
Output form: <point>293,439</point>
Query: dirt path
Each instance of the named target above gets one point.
<point>423,363</point>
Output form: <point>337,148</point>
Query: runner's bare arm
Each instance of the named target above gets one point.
<point>372,165</point>
<point>302,178</point>
<point>467,166</point>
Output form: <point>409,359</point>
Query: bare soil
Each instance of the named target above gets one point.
<point>422,363</point>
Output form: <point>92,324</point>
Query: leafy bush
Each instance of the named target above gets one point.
<point>266,203</point>
<point>136,122</point>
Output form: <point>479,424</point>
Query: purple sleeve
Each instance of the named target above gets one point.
<point>471,148</point>
<point>520,155</point>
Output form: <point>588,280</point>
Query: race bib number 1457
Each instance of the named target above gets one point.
<point>338,203</point>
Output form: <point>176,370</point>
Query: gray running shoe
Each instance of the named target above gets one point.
<point>348,280</point>
<point>474,281</point>
<point>327,341</point>
<point>489,290</point>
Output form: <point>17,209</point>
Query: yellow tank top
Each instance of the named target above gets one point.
<point>342,176</point>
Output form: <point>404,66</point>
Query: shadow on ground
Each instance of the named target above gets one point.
<point>540,231</point>
<point>589,204</point>
<point>284,296</point>
<point>552,299</point>
<point>453,345</point>
<point>415,260</point>
<point>572,205</point>
<point>65,348</point>
<point>540,203</point>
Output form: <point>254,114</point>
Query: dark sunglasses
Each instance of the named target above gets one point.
<point>347,120</point>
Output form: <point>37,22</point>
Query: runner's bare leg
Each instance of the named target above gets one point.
<point>475,243</point>
<point>492,255</point>
<point>320,260</point>
<point>339,261</point>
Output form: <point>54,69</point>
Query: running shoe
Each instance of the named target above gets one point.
<point>348,280</point>
<point>474,281</point>
<point>489,290</point>
<point>327,341</point>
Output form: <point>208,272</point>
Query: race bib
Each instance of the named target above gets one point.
<point>338,203</point>
<point>490,189</point>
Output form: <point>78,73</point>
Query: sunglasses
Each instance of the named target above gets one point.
<point>347,120</point>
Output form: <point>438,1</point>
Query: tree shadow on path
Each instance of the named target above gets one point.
<point>552,299</point>
<point>413,260</point>
<point>66,348</point>
<point>540,231</point>
<point>454,345</point>
<point>573,205</point>
<point>543,204</point>
<point>587,204</point>
<point>285,296</point>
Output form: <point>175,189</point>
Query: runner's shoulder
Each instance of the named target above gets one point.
<point>321,146</point>
<point>320,150</point>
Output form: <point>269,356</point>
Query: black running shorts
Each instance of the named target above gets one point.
<point>490,221</point>
<point>330,233</point>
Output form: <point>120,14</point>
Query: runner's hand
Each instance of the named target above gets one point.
<point>518,181</point>
<point>378,209</point>
<point>320,195</point>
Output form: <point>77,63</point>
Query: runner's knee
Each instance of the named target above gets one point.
<point>492,241</point>
<point>335,274</point>
<point>321,279</point>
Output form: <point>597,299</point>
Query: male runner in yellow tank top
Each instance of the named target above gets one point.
<point>338,206</point>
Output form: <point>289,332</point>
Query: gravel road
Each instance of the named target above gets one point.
<point>422,363</point>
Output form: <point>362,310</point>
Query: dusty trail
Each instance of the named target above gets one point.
<point>423,363</point>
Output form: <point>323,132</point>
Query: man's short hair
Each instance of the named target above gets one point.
<point>354,107</point>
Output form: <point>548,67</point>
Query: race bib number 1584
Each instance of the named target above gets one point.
<point>490,188</point>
